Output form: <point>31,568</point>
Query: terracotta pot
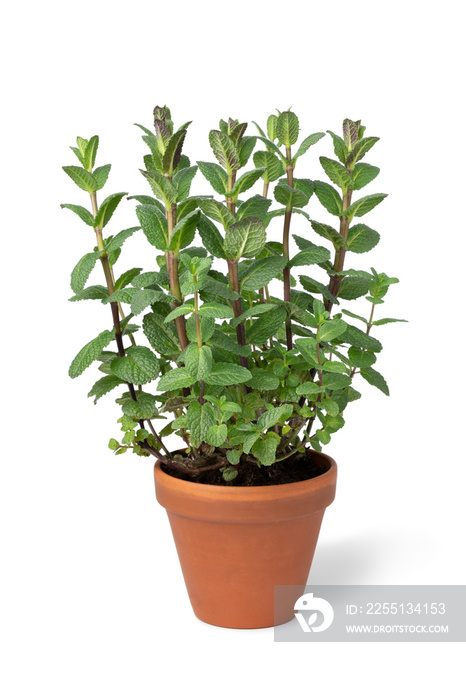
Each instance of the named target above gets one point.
<point>235,543</point>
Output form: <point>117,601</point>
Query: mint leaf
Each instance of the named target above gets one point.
<point>89,353</point>
<point>287,128</point>
<point>104,385</point>
<point>245,239</point>
<point>154,225</point>
<point>162,336</point>
<point>211,237</point>
<point>375,378</point>
<point>199,418</point>
<point>177,378</point>
<point>198,361</point>
<point>309,256</point>
<point>107,208</point>
<point>138,367</point>
<point>81,178</point>
<point>364,205</point>
<point>265,450</point>
<point>82,270</point>
<point>83,213</point>
<point>361,238</point>
<point>364,173</point>
<point>216,175</point>
<point>216,435</point>
<point>307,142</point>
<point>330,330</point>
<point>224,150</point>
<point>275,416</point>
<point>337,173</point>
<point>328,197</point>
<point>261,272</point>
<point>226,373</point>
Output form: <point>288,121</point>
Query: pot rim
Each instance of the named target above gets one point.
<point>247,503</point>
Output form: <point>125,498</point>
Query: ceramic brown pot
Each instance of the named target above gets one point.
<point>235,543</point>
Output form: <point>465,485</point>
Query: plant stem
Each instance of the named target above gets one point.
<point>237,308</point>
<point>286,250</point>
<point>335,280</point>
<point>111,289</point>
<point>174,280</point>
<point>198,333</point>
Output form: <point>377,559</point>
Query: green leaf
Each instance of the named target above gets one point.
<point>271,127</point>
<point>118,240</point>
<point>182,310</point>
<point>89,353</point>
<point>198,361</point>
<point>177,378</point>
<point>256,310</point>
<point>273,166</point>
<point>138,367</point>
<point>245,149</point>
<point>82,270</point>
<point>94,292</point>
<point>127,277</point>
<point>144,298</point>
<point>266,327</point>
<point>226,373</point>
<point>214,287</point>
<point>104,385</point>
<point>287,128</point>
<point>224,150</point>
<point>265,449</point>
<point>90,152</point>
<point>211,237</point>
<point>245,238</point>
<point>182,180</point>
<point>101,175</point>
<point>330,330</point>
<point>328,197</point>
<point>107,208</point>
<point>233,456</point>
<point>339,147</point>
<point>83,213</point>
<point>254,206</point>
<point>184,232</point>
<point>142,408</point>
<point>226,342</point>
<point>214,309</point>
<point>199,418</point>
<point>207,328</point>
<point>333,366</point>
<point>261,272</point>
<point>275,416</point>
<point>216,175</point>
<point>314,287</point>
<point>217,211</point>
<point>375,378</point>
<point>330,406</point>
<point>363,205</point>
<point>154,225</point>
<point>353,287</point>
<point>162,188</point>
<point>360,149</point>
<point>361,238</point>
<point>307,142</point>
<point>364,173</point>
<point>361,358</point>
<point>263,380</point>
<point>162,336</point>
<point>309,256</point>
<point>290,197</point>
<point>216,435</point>
<point>245,182</point>
<point>113,444</point>
<point>337,173</point>
<point>333,382</point>
<point>355,336</point>
<point>383,321</point>
<point>122,295</point>
<point>81,178</point>
<point>172,154</point>
<point>330,234</point>
<point>308,349</point>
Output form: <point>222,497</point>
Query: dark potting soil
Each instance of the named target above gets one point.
<point>298,467</point>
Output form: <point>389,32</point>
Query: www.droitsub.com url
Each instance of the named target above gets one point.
<point>397,629</point>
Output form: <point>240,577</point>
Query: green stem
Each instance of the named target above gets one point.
<point>286,250</point>
<point>335,280</point>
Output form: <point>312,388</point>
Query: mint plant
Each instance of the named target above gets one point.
<point>202,341</point>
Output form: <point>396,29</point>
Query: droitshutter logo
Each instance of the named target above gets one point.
<point>307,603</point>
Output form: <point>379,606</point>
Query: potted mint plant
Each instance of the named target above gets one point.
<point>242,346</point>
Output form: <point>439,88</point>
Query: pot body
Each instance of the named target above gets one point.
<point>235,543</point>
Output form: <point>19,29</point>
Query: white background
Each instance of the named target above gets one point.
<point>92,599</point>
